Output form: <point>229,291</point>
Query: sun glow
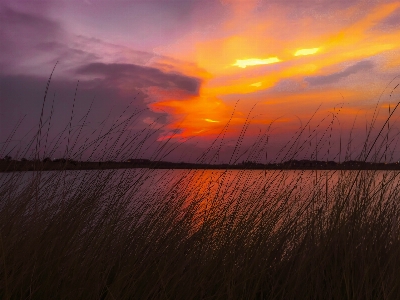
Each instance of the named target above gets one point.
<point>243,63</point>
<point>306,51</point>
<point>211,121</point>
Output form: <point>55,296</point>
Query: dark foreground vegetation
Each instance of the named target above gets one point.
<point>99,235</point>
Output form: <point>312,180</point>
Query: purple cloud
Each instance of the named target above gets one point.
<point>23,35</point>
<point>390,23</point>
<point>335,77</point>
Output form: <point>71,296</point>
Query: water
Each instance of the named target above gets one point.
<point>206,186</point>
<point>226,198</point>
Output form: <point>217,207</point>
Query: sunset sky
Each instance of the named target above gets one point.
<point>191,62</point>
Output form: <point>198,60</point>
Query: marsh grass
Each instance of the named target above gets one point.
<point>152,234</point>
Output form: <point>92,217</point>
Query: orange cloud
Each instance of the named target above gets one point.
<point>243,63</point>
<point>306,51</point>
<point>261,44</point>
<point>211,121</point>
<point>195,116</point>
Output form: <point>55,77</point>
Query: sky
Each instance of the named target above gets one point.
<point>270,70</point>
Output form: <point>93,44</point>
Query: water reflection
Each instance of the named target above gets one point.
<point>206,191</point>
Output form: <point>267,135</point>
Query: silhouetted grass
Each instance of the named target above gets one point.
<point>101,235</point>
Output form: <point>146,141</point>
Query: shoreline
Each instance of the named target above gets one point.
<point>25,166</point>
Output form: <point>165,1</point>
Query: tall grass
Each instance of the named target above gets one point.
<point>102,235</point>
<point>191,234</point>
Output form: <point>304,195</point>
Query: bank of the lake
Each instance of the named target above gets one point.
<point>63,164</point>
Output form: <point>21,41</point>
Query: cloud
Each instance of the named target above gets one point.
<point>335,77</point>
<point>392,22</point>
<point>22,34</point>
<point>13,17</point>
<point>23,95</point>
<point>306,51</point>
<point>243,63</point>
<point>31,43</point>
<point>141,76</point>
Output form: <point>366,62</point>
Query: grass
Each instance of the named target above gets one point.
<point>102,235</point>
<point>190,234</point>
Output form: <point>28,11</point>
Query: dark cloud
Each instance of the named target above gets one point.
<point>141,76</point>
<point>23,95</point>
<point>335,77</point>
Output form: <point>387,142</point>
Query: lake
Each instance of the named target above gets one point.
<point>206,188</point>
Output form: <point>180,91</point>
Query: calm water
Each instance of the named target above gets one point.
<point>204,194</point>
<point>143,184</point>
